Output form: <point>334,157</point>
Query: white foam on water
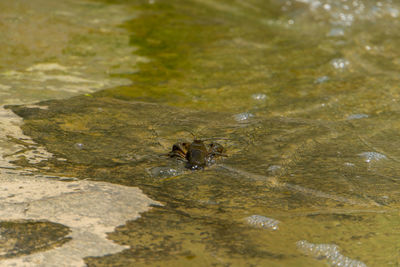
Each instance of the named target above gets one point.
<point>260,221</point>
<point>340,63</point>
<point>347,12</point>
<point>329,252</point>
<point>242,117</point>
<point>372,156</point>
<point>259,96</point>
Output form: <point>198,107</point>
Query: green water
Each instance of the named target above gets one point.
<point>305,104</point>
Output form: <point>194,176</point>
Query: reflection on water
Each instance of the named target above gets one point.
<point>263,222</point>
<point>301,95</point>
<point>328,251</point>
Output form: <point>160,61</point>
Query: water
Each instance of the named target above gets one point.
<point>301,95</point>
<point>50,51</point>
<point>262,222</point>
<point>330,252</point>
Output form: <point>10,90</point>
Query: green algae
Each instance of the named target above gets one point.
<point>192,61</point>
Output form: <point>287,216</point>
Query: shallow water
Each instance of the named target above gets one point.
<point>303,96</point>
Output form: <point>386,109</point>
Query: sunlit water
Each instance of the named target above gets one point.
<point>302,94</point>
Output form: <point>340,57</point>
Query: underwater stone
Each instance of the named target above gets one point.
<point>330,252</point>
<point>260,221</point>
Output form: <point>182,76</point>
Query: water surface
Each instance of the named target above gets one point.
<point>303,95</point>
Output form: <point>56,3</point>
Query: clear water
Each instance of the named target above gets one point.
<point>302,94</point>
